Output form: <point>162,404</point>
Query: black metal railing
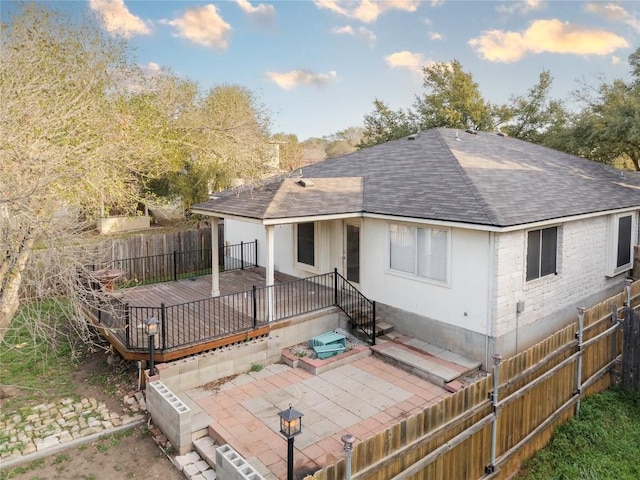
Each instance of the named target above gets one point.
<point>201,321</point>
<point>178,265</point>
<point>360,310</point>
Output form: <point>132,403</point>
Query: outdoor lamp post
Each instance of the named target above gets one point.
<point>290,426</point>
<point>348,441</point>
<point>151,327</point>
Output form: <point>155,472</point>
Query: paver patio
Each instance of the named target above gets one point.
<point>363,398</point>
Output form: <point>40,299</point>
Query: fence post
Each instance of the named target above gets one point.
<point>255,252</point>
<point>127,326</point>
<point>627,289</point>
<point>255,308</point>
<point>175,266</point>
<point>241,255</point>
<point>335,287</point>
<point>163,323</point>
<point>614,336</point>
<point>497,358</point>
<point>581,311</point>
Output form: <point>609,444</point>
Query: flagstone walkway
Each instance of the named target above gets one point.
<point>362,398</point>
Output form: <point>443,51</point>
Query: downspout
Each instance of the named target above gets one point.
<point>490,297</point>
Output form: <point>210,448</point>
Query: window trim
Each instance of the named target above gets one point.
<point>541,257</point>
<point>613,243</point>
<point>301,265</point>
<point>415,276</point>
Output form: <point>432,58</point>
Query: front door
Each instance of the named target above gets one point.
<point>352,252</point>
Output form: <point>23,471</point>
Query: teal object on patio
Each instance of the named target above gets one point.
<point>328,339</point>
<point>326,351</point>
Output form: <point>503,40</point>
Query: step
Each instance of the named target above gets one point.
<point>206,448</point>
<point>200,420</point>
<point>414,343</point>
<point>432,368</point>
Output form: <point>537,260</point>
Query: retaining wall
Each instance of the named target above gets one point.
<point>170,414</point>
<point>201,369</point>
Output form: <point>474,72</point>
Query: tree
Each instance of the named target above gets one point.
<point>534,117</point>
<point>384,124</point>
<point>81,127</point>
<point>452,99</point>
<point>343,142</point>
<point>62,143</point>
<point>608,128</point>
<point>289,150</point>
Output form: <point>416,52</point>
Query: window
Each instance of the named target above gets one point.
<point>542,248</point>
<point>306,243</point>
<point>620,249</point>
<point>419,251</point>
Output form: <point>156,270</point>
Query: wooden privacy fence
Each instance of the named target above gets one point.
<point>482,432</point>
<point>630,370</point>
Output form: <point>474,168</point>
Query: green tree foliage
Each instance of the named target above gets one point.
<point>452,99</point>
<point>384,124</point>
<point>608,128</point>
<point>535,117</point>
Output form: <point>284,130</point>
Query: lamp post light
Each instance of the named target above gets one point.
<point>290,426</point>
<point>348,441</point>
<point>151,327</point>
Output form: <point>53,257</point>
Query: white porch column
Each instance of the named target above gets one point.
<point>269,273</point>
<point>215,269</point>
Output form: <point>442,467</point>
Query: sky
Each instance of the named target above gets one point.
<point>318,65</point>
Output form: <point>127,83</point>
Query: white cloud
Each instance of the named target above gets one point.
<point>117,18</point>
<point>202,25</point>
<point>545,36</point>
<point>436,36</point>
<point>615,60</point>
<point>290,80</point>
<point>406,59</point>
<point>520,6</point>
<point>364,34</point>
<point>615,13</point>
<point>263,12</point>
<point>437,3</point>
<point>366,10</point>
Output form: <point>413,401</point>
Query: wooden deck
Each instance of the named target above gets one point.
<point>192,321</point>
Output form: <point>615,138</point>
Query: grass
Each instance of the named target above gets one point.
<point>256,367</point>
<point>603,443</point>
<point>38,367</point>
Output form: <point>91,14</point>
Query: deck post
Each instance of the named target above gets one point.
<point>163,325</point>
<point>215,255</point>
<point>241,255</point>
<point>127,326</point>
<point>255,308</point>
<point>373,308</point>
<point>335,287</point>
<point>270,275</point>
<point>255,253</point>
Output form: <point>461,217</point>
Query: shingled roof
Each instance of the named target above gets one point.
<point>443,174</point>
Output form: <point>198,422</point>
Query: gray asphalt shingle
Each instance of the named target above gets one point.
<point>444,174</point>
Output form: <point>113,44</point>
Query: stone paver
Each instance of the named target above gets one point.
<point>363,398</point>
<point>44,426</point>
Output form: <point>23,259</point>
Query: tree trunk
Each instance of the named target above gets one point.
<point>10,294</point>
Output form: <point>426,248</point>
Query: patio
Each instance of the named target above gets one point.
<point>363,398</point>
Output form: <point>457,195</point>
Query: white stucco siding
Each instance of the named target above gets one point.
<point>463,302</point>
<point>581,253</point>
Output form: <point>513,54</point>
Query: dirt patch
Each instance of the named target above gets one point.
<point>130,453</point>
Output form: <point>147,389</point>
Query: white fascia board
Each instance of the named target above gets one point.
<point>491,228</point>
<point>239,218</point>
<point>312,218</point>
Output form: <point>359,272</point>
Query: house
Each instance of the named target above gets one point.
<point>471,241</point>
